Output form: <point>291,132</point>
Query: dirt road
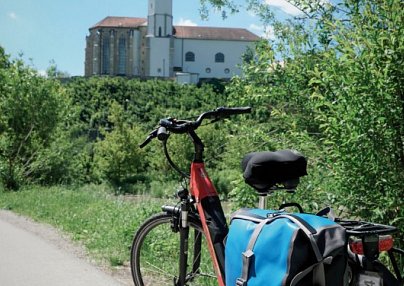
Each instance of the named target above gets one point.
<point>37,255</point>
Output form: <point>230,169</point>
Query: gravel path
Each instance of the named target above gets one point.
<point>38,255</point>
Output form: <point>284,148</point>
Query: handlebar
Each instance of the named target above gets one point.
<point>173,125</point>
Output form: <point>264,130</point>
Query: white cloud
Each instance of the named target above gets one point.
<point>185,22</point>
<point>12,15</point>
<point>251,14</point>
<point>285,6</point>
<point>266,32</point>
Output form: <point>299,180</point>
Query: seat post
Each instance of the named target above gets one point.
<point>262,203</point>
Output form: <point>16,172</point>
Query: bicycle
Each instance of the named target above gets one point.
<point>199,212</point>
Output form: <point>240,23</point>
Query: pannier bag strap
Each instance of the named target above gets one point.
<point>327,211</point>
<point>308,230</point>
<point>318,273</point>
<point>248,254</point>
<point>318,268</point>
<point>245,214</point>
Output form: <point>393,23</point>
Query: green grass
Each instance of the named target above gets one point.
<point>103,223</point>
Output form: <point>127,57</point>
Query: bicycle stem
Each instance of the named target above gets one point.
<point>199,147</point>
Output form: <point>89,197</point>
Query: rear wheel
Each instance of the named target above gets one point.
<point>155,254</point>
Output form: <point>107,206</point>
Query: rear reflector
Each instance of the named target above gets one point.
<point>385,244</point>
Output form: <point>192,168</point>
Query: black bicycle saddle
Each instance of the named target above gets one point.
<point>263,170</point>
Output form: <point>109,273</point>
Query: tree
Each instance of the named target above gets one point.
<point>118,158</point>
<point>341,86</point>
<point>31,109</point>
<point>53,72</point>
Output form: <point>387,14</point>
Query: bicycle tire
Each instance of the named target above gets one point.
<point>155,254</point>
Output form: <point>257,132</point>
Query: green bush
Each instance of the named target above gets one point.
<point>34,112</point>
<point>118,158</point>
<point>338,97</point>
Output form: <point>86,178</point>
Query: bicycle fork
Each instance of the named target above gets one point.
<point>184,235</point>
<point>180,218</point>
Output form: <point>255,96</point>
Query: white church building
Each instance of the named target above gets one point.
<point>153,47</point>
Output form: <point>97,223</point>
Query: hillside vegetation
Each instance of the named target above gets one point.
<point>337,97</point>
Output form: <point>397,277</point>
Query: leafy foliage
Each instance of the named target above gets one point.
<point>88,130</point>
<point>118,113</point>
<point>117,157</point>
<point>337,95</point>
<point>32,109</point>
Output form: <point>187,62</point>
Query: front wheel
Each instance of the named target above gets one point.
<point>155,254</point>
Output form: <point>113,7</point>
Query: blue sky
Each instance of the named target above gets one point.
<point>46,30</point>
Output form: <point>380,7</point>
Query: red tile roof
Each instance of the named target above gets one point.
<point>116,22</point>
<point>183,32</point>
<point>213,33</point>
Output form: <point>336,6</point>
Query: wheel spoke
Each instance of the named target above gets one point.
<point>155,255</point>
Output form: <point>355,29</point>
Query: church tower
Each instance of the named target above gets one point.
<point>160,18</point>
<point>159,38</point>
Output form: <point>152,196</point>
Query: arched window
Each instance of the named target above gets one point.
<point>159,31</point>
<point>189,57</point>
<point>122,56</point>
<point>105,56</point>
<point>219,58</point>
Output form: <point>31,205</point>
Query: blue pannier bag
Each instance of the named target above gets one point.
<point>273,248</point>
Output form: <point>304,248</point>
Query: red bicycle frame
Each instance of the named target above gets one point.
<point>204,192</point>
<point>206,197</point>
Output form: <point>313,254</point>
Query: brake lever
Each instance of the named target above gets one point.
<point>149,138</point>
